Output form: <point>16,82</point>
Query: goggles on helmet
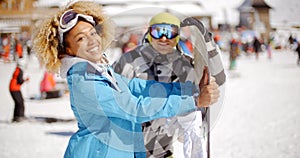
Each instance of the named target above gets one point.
<point>157,31</point>
<point>69,19</point>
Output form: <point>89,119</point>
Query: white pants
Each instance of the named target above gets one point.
<point>190,127</point>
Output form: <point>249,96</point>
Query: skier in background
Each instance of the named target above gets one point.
<point>15,90</point>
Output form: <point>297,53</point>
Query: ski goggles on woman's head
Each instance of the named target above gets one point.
<point>69,19</point>
<point>170,31</point>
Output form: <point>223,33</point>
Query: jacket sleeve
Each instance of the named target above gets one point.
<point>139,100</point>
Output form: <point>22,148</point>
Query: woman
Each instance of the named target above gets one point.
<point>108,107</point>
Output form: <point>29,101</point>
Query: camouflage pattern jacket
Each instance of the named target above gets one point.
<point>146,63</point>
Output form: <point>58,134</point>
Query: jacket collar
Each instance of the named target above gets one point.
<point>103,69</point>
<point>68,61</point>
<point>151,56</point>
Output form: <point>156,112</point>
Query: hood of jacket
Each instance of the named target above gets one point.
<point>68,61</point>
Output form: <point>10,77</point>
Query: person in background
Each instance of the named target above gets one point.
<point>28,49</point>
<point>48,87</point>
<point>291,39</point>
<point>298,51</point>
<point>15,90</point>
<point>19,49</point>
<point>233,53</point>
<point>6,49</point>
<point>160,60</point>
<point>130,44</point>
<point>256,46</point>
<point>217,39</point>
<point>109,108</point>
<point>269,48</point>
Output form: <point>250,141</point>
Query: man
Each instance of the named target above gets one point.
<point>159,60</point>
<point>15,90</point>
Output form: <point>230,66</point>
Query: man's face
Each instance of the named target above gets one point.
<point>163,37</point>
<point>164,45</point>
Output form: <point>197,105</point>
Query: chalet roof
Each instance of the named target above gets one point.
<point>260,4</point>
<point>249,5</point>
<point>246,6</point>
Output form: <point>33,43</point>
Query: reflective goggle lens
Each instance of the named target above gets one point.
<point>170,31</point>
<point>67,17</point>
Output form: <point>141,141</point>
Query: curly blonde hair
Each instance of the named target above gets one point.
<point>46,42</point>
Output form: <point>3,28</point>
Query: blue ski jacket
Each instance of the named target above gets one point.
<point>110,108</point>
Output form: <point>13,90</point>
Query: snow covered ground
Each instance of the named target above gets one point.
<point>260,115</point>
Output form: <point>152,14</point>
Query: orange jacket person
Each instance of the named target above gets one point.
<point>19,49</point>
<point>15,91</point>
